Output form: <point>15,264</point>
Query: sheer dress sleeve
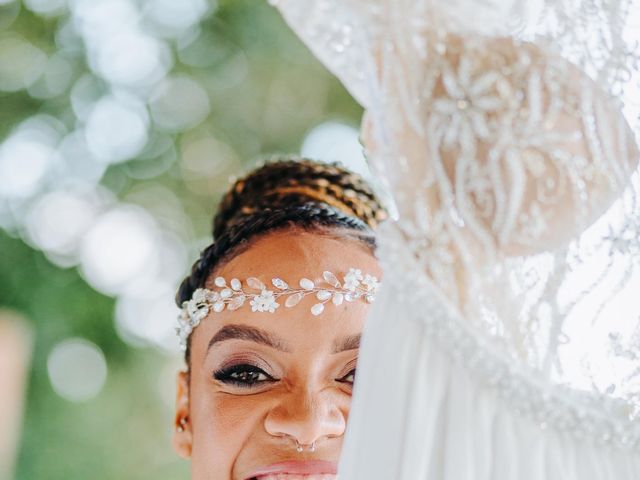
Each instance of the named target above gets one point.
<point>507,341</point>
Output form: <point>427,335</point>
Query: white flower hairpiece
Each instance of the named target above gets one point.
<point>232,296</point>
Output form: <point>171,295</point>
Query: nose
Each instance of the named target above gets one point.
<point>307,417</point>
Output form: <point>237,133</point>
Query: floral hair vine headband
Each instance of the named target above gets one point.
<point>233,295</point>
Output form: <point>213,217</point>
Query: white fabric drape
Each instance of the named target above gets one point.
<point>506,343</point>
<point>427,407</point>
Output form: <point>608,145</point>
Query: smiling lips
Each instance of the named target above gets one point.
<point>311,470</point>
<point>294,476</point>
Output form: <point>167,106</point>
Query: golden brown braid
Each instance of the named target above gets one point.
<point>278,184</point>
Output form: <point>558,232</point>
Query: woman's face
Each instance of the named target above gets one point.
<point>261,383</point>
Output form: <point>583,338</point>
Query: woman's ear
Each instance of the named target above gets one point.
<point>182,436</point>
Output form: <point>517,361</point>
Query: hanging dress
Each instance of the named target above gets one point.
<point>505,342</point>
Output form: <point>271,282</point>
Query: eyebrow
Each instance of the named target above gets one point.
<point>352,342</point>
<point>252,334</point>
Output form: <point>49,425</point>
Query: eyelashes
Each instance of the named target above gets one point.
<point>349,377</point>
<point>243,375</point>
<point>249,376</point>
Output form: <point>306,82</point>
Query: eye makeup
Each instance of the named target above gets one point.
<point>349,378</point>
<point>350,373</point>
<point>243,375</point>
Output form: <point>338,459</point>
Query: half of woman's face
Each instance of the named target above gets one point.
<point>263,383</point>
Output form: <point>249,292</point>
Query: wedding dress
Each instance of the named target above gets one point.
<point>505,343</point>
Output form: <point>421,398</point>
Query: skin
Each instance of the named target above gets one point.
<point>15,353</point>
<point>231,430</point>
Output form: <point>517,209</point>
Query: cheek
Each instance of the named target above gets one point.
<point>223,425</point>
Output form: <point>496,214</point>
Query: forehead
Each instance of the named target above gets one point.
<point>292,255</point>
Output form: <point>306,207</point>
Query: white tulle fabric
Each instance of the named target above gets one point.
<point>506,343</point>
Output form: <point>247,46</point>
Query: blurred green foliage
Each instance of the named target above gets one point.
<point>266,91</point>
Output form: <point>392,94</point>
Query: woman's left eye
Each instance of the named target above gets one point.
<point>242,375</point>
<point>349,377</point>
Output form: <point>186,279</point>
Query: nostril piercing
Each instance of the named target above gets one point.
<point>300,447</point>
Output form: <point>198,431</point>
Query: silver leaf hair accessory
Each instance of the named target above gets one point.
<point>232,295</point>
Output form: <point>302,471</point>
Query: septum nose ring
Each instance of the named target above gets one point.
<point>301,447</point>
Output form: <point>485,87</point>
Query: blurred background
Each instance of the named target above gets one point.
<point>121,124</point>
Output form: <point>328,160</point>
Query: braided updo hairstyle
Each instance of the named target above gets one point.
<point>294,193</point>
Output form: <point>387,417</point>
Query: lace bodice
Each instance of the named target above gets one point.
<point>507,134</point>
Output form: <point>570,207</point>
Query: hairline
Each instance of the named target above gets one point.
<point>337,233</point>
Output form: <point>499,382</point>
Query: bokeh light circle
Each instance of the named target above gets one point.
<point>339,142</point>
<point>97,20</point>
<point>117,128</point>
<point>77,369</point>
<point>119,249</point>
<point>85,93</point>
<point>9,11</point>
<point>179,103</point>
<point>55,79</point>
<point>336,141</point>
<point>77,161</point>
<point>57,221</point>
<point>148,319</point>
<point>46,7</point>
<point>133,58</point>
<point>21,63</point>
<point>170,16</point>
<point>25,159</point>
